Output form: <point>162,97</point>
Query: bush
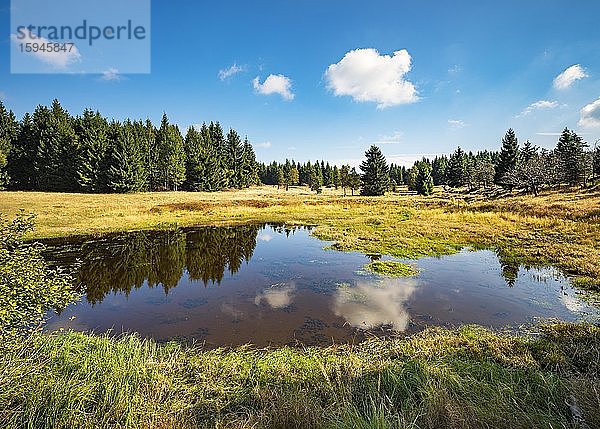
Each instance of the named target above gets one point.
<point>28,286</point>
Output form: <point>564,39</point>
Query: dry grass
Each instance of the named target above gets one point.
<point>560,227</point>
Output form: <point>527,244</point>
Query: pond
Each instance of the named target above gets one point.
<point>275,285</point>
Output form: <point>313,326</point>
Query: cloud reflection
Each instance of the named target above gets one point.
<point>375,303</point>
<point>277,296</point>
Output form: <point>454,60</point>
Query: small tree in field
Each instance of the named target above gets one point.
<point>28,287</point>
<point>354,181</point>
<point>376,175</point>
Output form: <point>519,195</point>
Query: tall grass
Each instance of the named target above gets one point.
<point>466,378</point>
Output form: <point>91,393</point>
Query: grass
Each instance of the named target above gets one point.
<point>560,227</point>
<point>391,269</point>
<point>466,378</point>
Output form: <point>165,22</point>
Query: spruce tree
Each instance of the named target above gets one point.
<point>354,180</point>
<point>424,180</point>
<point>571,154</point>
<point>22,157</point>
<point>234,160</point>
<point>126,171</point>
<point>250,166</point>
<point>194,167</point>
<point>91,130</point>
<point>171,155</point>
<point>456,172</point>
<point>528,151</point>
<point>375,178</point>
<point>509,155</point>
<point>56,160</point>
<point>8,136</point>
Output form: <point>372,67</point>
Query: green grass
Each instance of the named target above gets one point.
<point>392,269</point>
<point>466,378</point>
<point>560,227</point>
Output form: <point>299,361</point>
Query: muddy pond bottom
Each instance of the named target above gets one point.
<point>272,285</point>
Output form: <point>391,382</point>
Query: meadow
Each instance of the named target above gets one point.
<point>468,377</point>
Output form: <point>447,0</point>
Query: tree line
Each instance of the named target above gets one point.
<point>50,150</point>
<point>527,167</point>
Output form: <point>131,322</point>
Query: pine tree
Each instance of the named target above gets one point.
<point>194,165</point>
<point>438,172</point>
<point>528,151</point>
<point>375,178</point>
<point>571,154</point>
<point>234,159</point>
<point>220,176</point>
<point>8,136</point>
<point>22,157</point>
<point>456,172</point>
<point>354,180</point>
<point>316,179</point>
<point>56,160</point>
<point>125,165</point>
<point>91,130</point>
<point>249,167</point>
<point>509,155</point>
<point>345,178</point>
<point>424,180</point>
<point>171,155</point>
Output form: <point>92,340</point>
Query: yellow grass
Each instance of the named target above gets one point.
<point>561,227</point>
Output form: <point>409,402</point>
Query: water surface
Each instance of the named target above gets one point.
<point>270,285</point>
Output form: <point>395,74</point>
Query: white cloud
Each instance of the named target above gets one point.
<point>548,134</point>
<point>590,115</point>
<point>538,105</point>
<point>111,74</point>
<point>365,75</point>
<point>569,76</point>
<point>371,304</point>
<point>264,145</point>
<point>394,138</point>
<point>277,296</point>
<point>456,123</point>
<point>265,236</point>
<point>233,70</point>
<point>275,84</point>
<point>2,96</point>
<point>59,60</point>
<point>455,69</point>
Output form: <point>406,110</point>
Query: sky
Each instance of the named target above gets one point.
<point>327,79</point>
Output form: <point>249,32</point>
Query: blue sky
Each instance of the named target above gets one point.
<point>334,77</point>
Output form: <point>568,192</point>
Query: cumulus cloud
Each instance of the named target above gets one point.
<point>231,71</point>
<point>371,304</point>
<point>456,123</point>
<point>111,74</point>
<point>277,296</point>
<point>590,115</point>
<point>538,105</point>
<point>569,76</point>
<point>264,145</point>
<point>58,60</point>
<point>365,75</point>
<point>275,84</point>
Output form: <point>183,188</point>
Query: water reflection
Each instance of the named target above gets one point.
<point>124,262</point>
<point>271,285</point>
<point>375,303</point>
<point>277,296</point>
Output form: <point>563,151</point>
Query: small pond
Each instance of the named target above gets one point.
<point>274,285</point>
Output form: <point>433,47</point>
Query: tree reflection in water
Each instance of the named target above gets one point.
<point>123,262</point>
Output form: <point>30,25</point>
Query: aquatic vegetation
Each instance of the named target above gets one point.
<point>392,268</point>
